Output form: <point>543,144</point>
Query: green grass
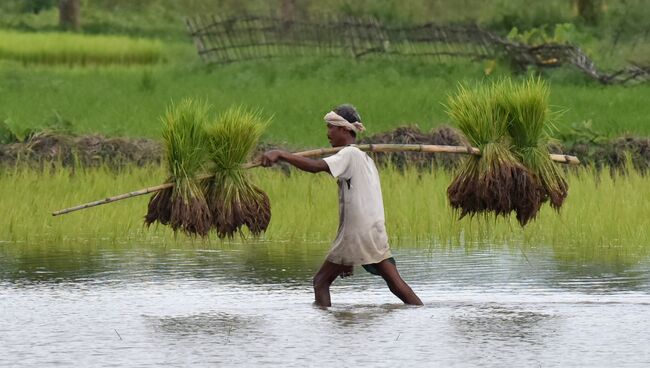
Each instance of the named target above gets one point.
<point>601,214</point>
<point>53,48</point>
<point>129,100</point>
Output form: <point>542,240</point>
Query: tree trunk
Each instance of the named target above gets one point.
<point>69,14</point>
<point>288,10</point>
<point>588,10</point>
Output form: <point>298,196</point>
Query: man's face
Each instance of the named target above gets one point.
<point>338,136</point>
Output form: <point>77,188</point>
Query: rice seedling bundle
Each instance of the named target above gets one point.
<point>530,126</point>
<point>184,206</point>
<point>495,182</point>
<point>234,201</point>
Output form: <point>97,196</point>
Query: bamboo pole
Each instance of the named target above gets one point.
<point>313,153</point>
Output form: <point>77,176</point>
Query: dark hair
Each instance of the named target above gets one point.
<point>349,113</point>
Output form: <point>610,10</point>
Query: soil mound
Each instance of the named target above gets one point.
<point>443,135</point>
<point>50,149</point>
<point>87,151</point>
<point>615,154</point>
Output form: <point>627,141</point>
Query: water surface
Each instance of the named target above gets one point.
<point>244,305</point>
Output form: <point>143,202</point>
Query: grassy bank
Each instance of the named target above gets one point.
<point>602,214</point>
<point>129,100</point>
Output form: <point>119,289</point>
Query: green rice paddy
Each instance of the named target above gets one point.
<point>603,213</point>
<point>52,48</point>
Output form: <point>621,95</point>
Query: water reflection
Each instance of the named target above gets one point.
<point>293,266</point>
<point>362,314</point>
<point>605,270</point>
<point>218,323</point>
<point>502,323</point>
<point>43,265</point>
<point>249,263</point>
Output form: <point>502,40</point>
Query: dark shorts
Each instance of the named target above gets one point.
<point>373,269</point>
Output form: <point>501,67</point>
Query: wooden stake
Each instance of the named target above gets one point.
<point>319,152</point>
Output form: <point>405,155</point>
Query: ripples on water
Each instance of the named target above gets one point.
<point>245,305</point>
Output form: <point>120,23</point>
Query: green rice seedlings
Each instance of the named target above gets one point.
<point>486,184</point>
<point>183,206</point>
<point>529,126</point>
<point>467,110</point>
<point>233,200</point>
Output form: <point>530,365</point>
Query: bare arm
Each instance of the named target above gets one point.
<point>302,163</point>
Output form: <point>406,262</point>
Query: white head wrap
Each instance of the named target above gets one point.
<point>337,120</point>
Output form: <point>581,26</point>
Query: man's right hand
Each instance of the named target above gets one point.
<point>303,163</point>
<point>271,157</point>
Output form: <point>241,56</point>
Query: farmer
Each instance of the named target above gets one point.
<point>361,238</point>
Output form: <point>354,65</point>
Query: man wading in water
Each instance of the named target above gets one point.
<point>361,238</point>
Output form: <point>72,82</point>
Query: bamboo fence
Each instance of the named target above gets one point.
<point>226,40</point>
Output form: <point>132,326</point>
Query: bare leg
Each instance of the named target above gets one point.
<point>324,278</point>
<point>397,286</point>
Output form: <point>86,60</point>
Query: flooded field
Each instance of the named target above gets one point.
<point>244,305</point>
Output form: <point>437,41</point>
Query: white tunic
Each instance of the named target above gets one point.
<point>361,237</point>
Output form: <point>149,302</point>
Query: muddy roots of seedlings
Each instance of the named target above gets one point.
<point>557,193</point>
<point>502,189</point>
<point>462,192</point>
<point>550,177</point>
<point>190,215</point>
<point>159,208</point>
<point>232,209</point>
<point>527,196</point>
<point>259,212</point>
<point>226,220</point>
